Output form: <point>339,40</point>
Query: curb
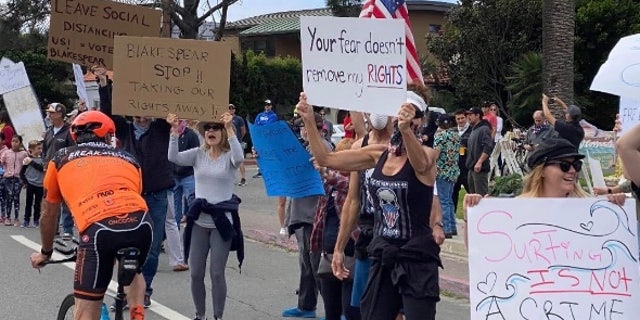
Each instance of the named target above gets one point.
<point>448,284</point>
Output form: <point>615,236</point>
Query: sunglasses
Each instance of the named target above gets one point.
<point>213,126</point>
<point>565,166</point>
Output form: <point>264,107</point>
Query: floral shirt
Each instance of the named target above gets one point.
<point>448,143</point>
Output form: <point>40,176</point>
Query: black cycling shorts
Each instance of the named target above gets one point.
<point>97,251</point>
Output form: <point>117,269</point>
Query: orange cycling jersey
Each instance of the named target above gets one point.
<point>96,181</point>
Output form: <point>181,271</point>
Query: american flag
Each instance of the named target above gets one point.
<point>396,9</point>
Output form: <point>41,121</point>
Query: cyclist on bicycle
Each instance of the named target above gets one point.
<point>102,187</point>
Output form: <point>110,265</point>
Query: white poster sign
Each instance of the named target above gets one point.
<point>81,89</point>
<point>576,259</point>
<point>354,64</point>
<point>24,110</point>
<point>629,113</point>
<point>13,77</point>
<point>597,177</point>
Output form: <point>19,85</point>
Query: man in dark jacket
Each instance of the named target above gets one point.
<point>479,147</point>
<point>57,137</point>
<point>148,141</point>
<point>569,129</point>
<point>464,130</point>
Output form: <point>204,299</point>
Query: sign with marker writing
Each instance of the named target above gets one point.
<point>576,259</point>
<point>82,31</point>
<point>13,77</point>
<point>629,113</point>
<point>355,64</point>
<point>283,162</point>
<point>158,76</point>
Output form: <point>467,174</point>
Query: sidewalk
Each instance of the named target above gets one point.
<point>260,223</point>
<point>454,278</point>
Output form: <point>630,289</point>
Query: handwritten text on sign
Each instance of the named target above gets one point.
<point>284,163</point>
<point>159,76</point>
<point>82,31</point>
<point>13,77</point>
<point>629,113</point>
<point>355,64</point>
<point>576,259</point>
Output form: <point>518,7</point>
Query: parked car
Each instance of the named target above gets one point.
<point>338,133</point>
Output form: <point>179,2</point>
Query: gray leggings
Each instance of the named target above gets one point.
<point>203,240</point>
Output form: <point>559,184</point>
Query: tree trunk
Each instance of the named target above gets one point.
<point>558,29</point>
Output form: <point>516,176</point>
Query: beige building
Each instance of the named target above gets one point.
<point>278,34</point>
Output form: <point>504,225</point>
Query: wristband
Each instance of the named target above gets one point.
<point>47,253</point>
<point>439,224</point>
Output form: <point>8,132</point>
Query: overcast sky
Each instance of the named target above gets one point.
<point>249,8</point>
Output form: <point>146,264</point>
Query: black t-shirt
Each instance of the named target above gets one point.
<point>571,131</point>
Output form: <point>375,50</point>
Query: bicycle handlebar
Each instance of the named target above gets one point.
<point>61,247</point>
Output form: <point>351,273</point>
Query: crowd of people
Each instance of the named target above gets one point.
<point>370,247</point>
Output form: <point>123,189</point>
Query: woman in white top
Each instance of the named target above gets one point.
<point>499,121</point>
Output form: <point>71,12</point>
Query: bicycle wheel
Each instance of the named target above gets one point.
<point>66,308</point>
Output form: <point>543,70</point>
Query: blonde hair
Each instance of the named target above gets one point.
<point>344,144</point>
<point>534,184</point>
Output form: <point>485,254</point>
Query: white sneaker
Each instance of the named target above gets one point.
<point>283,232</point>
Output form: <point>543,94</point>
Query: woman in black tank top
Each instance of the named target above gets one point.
<point>405,246</point>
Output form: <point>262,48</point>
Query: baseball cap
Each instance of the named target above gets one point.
<point>267,102</point>
<point>444,118</point>
<point>231,106</point>
<point>57,107</point>
<point>474,110</point>
<point>551,149</point>
<point>574,111</point>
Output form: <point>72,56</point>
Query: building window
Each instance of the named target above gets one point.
<point>435,28</point>
<point>264,45</point>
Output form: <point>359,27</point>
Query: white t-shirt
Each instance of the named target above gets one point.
<point>499,129</point>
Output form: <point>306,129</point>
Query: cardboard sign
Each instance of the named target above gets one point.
<point>576,259</point>
<point>284,163</point>
<point>629,113</point>
<point>355,64</point>
<point>189,78</point>
<point>13,77</point>
<point>82,31</point>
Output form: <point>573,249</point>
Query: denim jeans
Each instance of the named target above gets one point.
<point>445,193</point>
<point>66,219</point>
<point>157,203</point>
<point>183,192</point>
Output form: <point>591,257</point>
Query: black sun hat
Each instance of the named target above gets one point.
<point>552,149</point>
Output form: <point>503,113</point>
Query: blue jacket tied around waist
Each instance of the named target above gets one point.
<point>227,230</point>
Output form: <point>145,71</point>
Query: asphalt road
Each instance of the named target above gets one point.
<point>264,288</point>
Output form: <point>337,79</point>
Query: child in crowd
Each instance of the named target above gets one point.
<point>3,193</point>
<point>32,174</point>
<point>12,162</point>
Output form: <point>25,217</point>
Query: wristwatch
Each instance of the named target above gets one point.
<point>439,224</point>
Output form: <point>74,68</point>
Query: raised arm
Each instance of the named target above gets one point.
<point>628,148</point>
<point>346,160</point>
<point>184,158</point>
<point>545,109</point>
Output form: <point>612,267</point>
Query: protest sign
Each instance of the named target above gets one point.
<point>81,89</point>
<point>189,78</point>
<point>82,31</point>
<point>13,77</point>
<point>597,177</point>
<point>23,108</point>
<point>576,259</point>
<point>354,64</point>
<point>629,113</point>
<point>283,162</point>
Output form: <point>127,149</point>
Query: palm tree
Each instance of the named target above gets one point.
<point>558,28</point>
<point>525,86</point>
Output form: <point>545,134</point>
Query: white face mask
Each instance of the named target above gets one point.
<point>378,121</point>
